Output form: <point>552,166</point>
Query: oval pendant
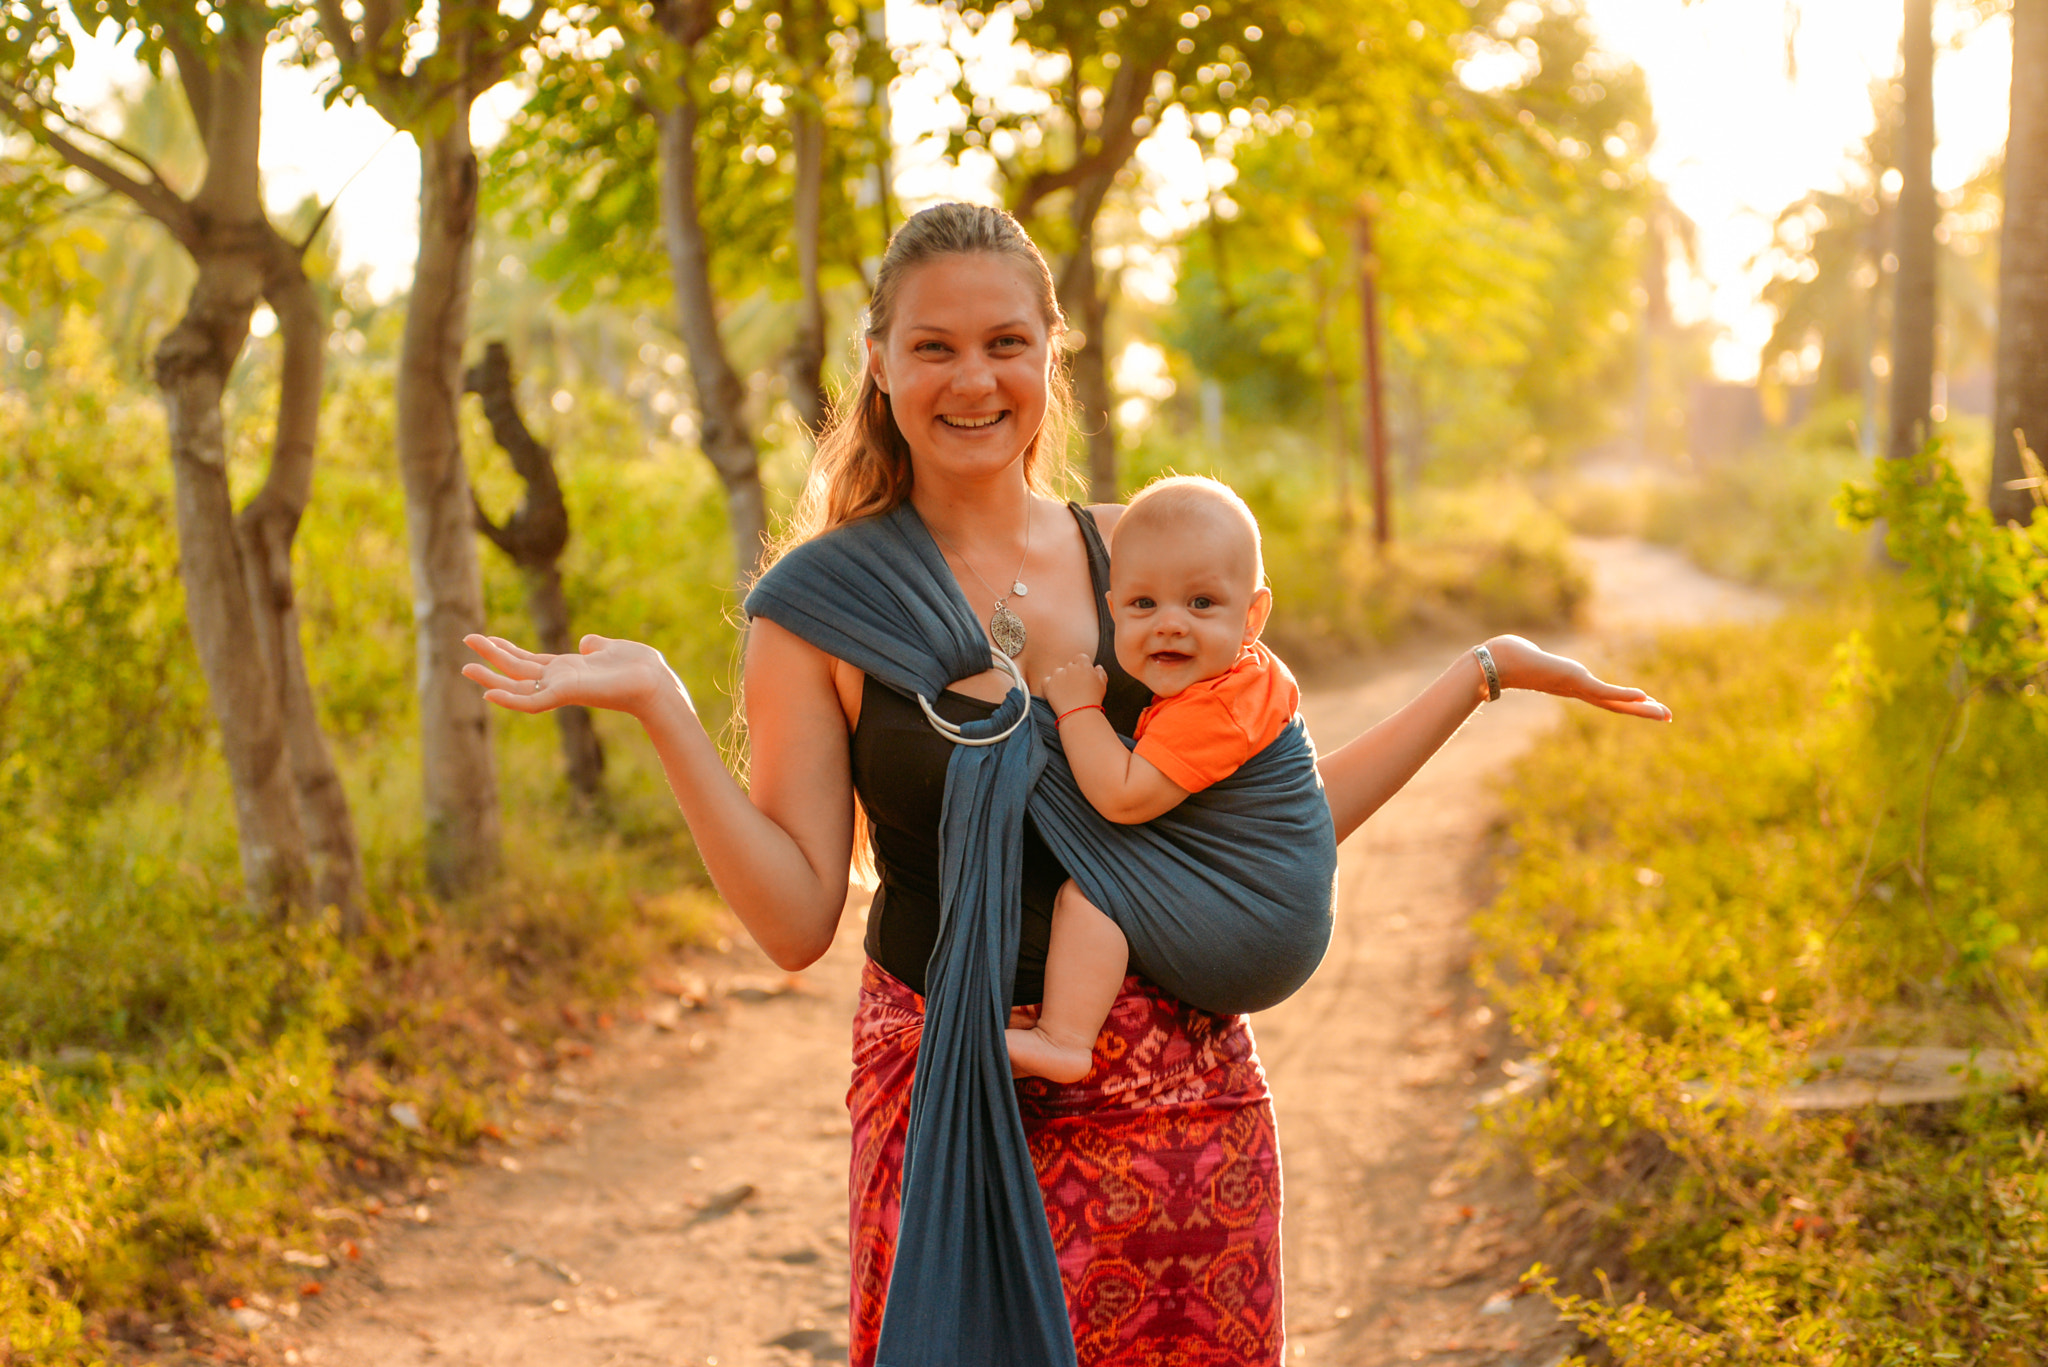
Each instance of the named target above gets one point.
<point>1006,629</point>
<point>1019,589</point>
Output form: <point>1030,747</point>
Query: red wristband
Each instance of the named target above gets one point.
<point>1082,708</point>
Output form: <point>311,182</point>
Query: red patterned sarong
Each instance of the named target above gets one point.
<point>1161,1174</point>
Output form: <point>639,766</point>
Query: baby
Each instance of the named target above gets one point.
<point>1188,596</point>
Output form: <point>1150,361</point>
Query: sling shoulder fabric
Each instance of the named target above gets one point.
<point>1226,901</point>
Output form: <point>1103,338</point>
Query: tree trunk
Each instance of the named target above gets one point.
<point>460,778</point>
<point>2021,404</point>
<point>1081,298</point>
<point>534,537</point>
<point>267,526</point>
<point>192,365</point>
<point>721,397</point>
<point>1913,315</point>
<point>807,354</point>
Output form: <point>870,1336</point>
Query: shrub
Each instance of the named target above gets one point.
<point>180,1086</point>
<point>1821,852</point>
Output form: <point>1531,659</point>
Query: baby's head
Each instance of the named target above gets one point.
<point>1187,584</point>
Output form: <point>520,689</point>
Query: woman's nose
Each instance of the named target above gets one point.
<point>973,375</point>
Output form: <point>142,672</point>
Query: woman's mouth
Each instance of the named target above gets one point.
<point>967,423</point>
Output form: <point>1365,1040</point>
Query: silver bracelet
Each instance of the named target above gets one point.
<point>1492,675</point>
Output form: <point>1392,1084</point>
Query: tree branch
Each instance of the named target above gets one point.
<point>51,110</point>
<point>153,197</point>
<point>1117,140</point>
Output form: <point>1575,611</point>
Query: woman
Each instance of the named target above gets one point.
<point>1160,1171</point>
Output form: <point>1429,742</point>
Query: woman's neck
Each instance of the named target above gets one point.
<point>988,514</point>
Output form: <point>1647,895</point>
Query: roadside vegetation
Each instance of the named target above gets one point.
<point>182,1088</point>
<point>1829,849</point>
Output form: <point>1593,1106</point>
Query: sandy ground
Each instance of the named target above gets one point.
<point>680,1199</point>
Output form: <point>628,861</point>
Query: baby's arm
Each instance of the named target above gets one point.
<point>1116,782</point>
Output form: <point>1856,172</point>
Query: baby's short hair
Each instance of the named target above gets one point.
<point>1178,499</point>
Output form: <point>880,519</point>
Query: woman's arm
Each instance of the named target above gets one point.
<point>1360,776</point>
<point>779,851</point>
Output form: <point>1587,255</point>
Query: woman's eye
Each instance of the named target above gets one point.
<point>931,348</point>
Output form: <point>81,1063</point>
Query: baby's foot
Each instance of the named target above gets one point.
<point>1033,1053</point>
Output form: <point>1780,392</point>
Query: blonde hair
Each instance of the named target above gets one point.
<point>862,465</point>
<point>1174,500</point>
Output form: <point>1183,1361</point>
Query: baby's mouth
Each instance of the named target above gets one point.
<point>1170,658</point>
<point>969,424</point>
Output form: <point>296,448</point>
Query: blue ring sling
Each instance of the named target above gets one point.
<point>1226,901</point>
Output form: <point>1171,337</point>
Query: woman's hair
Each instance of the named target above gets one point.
<point>862,465</point>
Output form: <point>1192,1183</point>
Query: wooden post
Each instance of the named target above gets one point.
<point>1375,388</point>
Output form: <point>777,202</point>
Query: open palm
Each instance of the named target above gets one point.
<point>1524,664</point>
<point>622,676</point>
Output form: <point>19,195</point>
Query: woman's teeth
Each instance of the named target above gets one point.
<point>952,421</point>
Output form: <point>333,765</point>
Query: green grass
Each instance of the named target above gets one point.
<point>1691,912</point>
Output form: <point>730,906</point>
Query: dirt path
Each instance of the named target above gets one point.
<point>681,1200</point>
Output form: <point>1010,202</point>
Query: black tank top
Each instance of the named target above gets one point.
<point>899,771</point>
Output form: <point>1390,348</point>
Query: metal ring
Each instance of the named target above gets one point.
<point>952,732</point>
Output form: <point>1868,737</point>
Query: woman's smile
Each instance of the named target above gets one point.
<point>966,365</point>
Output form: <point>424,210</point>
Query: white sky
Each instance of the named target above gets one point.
<point>1736,139</point>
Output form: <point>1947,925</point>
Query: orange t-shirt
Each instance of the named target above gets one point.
<point>1201,734</point>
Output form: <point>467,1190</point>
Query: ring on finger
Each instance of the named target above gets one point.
<point>536,685</point>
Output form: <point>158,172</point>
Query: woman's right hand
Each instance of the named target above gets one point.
<point>622,676</point>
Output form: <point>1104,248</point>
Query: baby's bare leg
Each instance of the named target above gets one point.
<point>1085,965</point>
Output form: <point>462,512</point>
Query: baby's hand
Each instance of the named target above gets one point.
<point>1077,683</point>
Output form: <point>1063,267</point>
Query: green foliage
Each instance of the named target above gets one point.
<point>92,618</point>
<point>1504,269</point>
<point>41,259</point>
<point>585,138</point>
<point>1821,852</point>
<point>180,1086</point>
<point>1987,584</point>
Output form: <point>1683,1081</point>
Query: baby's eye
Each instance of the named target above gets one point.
<point>1202,602</point>
<point>1142,604</point>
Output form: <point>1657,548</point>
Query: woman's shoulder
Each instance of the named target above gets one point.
<point>1105,515</point>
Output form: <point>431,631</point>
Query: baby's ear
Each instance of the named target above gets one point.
<point>1255,616</point>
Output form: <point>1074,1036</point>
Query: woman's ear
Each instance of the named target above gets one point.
<point>875,364</point>
<point>1255,616</point>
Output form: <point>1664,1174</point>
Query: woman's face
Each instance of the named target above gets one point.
<point>966,364</point>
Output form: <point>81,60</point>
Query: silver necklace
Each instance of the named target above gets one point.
<point>1005,627</point>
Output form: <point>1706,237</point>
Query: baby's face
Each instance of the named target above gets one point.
<point>1182,596</point>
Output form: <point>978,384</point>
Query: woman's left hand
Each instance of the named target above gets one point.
<point>1523,664</point>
